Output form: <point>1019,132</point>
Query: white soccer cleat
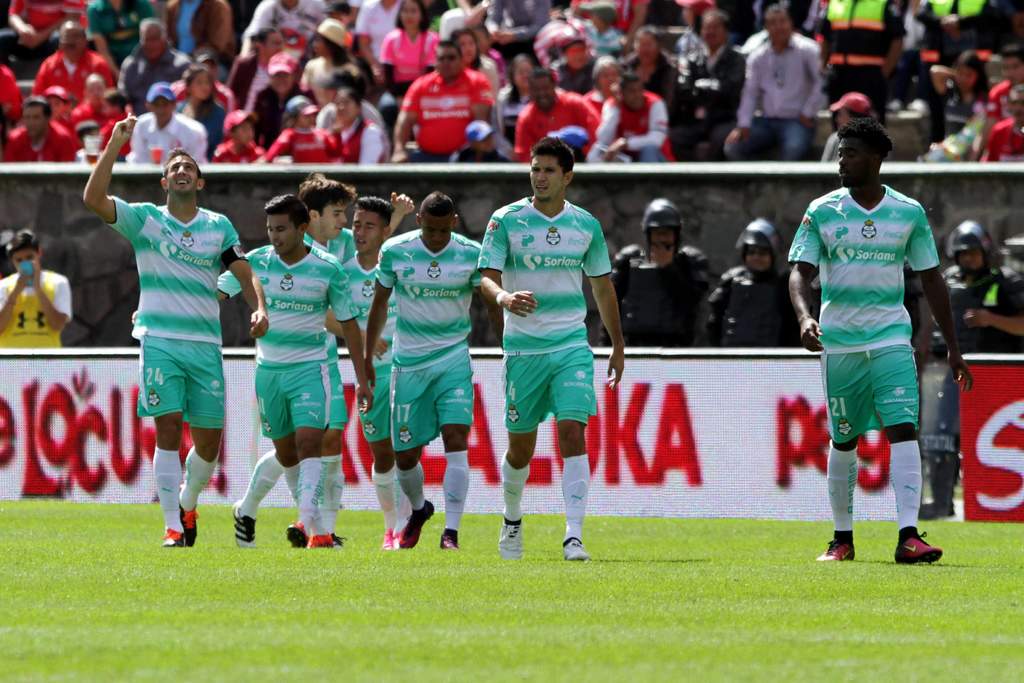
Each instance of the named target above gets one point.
<point>573,550</point>
<point>245,528</point>
<point>510,543</point>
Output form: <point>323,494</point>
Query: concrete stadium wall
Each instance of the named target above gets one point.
<point>717,200</point>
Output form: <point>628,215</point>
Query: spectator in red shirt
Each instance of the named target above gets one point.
<point>1006,143</point>
<point>441,104</point>
<point>39,139</point>
<point>71,64</point>
<point>32,27</point>
<point>551,109</point>
<point>10,101</point>
<point>304,142</point>
<point>1013,71</point>
<point>61,105</point>
<point>115,108</point>
<point>270,103</point>
<point>91,108</point>
<point>238,146</point>
<point>634,127</point>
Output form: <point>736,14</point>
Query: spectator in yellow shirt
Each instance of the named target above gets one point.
<point>35,304</point>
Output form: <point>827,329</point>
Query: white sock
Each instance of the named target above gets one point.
<point>513,482</point>
<point>842,479</point>
<point>310,494</point>
<point>291,477</point>
<point>167,475</point>
<point>575,484</point>
<point>905,476</point>
<point>404,508</point>
<point>266,473</point>
<point>456,487</point>
<point>384,483</point>
<point>412,483</point>
<point>197,476</point>
<point>332,480</point>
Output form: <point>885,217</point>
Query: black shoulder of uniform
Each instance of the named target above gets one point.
<point>628,253</point>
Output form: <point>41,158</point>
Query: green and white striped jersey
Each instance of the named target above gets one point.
<point>361,286</point>
<point>545,256</point>
<point>434,292</point>
<point>178,266</point>
<point>860,257</point>
<point>298,296</point>
<point>342,247</point>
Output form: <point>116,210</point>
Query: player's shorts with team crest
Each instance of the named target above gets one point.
<point>376,421</point>
<point>424,399</point>
<point>866,390</point>
<point>292,397</point>
<point>339,411</point>
<point>560,383</point>
<point>180,376</point>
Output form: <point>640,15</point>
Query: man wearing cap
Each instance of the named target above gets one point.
<point>61,105</point>
<point>861,42</point>
<point>271,101</point>
<point>303,141</point>
<point>35,304</point>
<point>551,109</point>
<point>71,64</point>
<point>852,105</point>
<point>39,138</point>
<point>153,61</point>
<point>238,146</point>
<point>480,145</point>
<point>193,25</point>
<point>441,104</point>
<point>295,19</point>
<point>163,129</point>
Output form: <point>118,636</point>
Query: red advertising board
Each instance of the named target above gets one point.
<point>992,442</point>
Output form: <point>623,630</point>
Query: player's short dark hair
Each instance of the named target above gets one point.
<point>870,132</point>
<point>438,204</point>
<point>317,191</point>
<point>23,239</point>
<point>38,102</point>
<point>179,152</point>
<point>442,44</point>
<point>553,147</point>
<point>381,207</point>
<point>1013,50</point>
<point>288,205</point>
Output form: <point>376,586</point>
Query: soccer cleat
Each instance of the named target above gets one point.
<point>296,535</point>
<point>339,541</point>
<point>188,522</point>
<point>390,541</point>
<point>173,539</point>
<point>245,528</point>
<point>573,550</point>
<point>837,552</point>
<point>321,541</point>
<point>411,533</point>
<point>510,542</point>
<point>450,539</point>
<point>915,550</point>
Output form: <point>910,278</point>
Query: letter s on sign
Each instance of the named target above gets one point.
<point>1010,459</point>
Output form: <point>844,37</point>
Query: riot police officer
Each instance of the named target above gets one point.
<point>988,310</point>
<point>750,306</point>
<point>660,287</point>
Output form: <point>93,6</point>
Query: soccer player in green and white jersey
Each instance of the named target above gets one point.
<point>292,366</point>
<point>434,274</point>
<point>534,253</point>
<point>856,239</point>
<point>179,249</point>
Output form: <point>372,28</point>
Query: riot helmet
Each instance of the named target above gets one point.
<point>968,235</point>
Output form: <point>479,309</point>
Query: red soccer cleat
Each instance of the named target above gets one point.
<point>321,541</point>
<point>173,539</point>
<point>411,533</point>
<point>915,550</point>
<point>837,552</point>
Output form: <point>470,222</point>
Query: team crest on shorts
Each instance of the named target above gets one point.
<point>513,414</point>
<point>187,240</point>
<point>287,282</point>
<point>404,435</point>
<point>434,270</point>
<point>153,398</point>
<point>553,237</point>
<point>844,426</point>
<point>869,230</point>
<point>367,288</point>
<point>369,428</point>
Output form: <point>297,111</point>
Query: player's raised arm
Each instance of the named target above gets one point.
<point>95,195</point>
<point>252,290</point>
<point>800,294</point>
<point>608,308</point>
<point>938,300</point>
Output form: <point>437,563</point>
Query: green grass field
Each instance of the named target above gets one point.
<point>87,594</point>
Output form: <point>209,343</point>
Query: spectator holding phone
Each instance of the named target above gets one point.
<point>35,304</point>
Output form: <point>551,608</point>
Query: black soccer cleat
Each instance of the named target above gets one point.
<point>450,539</point>
<point>188,522</point>
<point>339,541</point>
<point>245,529</point>
<point>411,532</point>
<point>296,535</point>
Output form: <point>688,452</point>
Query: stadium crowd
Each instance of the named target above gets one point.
<point>376,81</point>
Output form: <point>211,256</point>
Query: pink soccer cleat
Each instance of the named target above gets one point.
<point>390,541</point>
<point>837,552</point>
<point>915,550</point>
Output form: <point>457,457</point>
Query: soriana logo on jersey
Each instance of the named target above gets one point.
<point>992,441</point>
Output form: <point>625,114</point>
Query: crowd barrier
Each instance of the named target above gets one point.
<point>686,434</point>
